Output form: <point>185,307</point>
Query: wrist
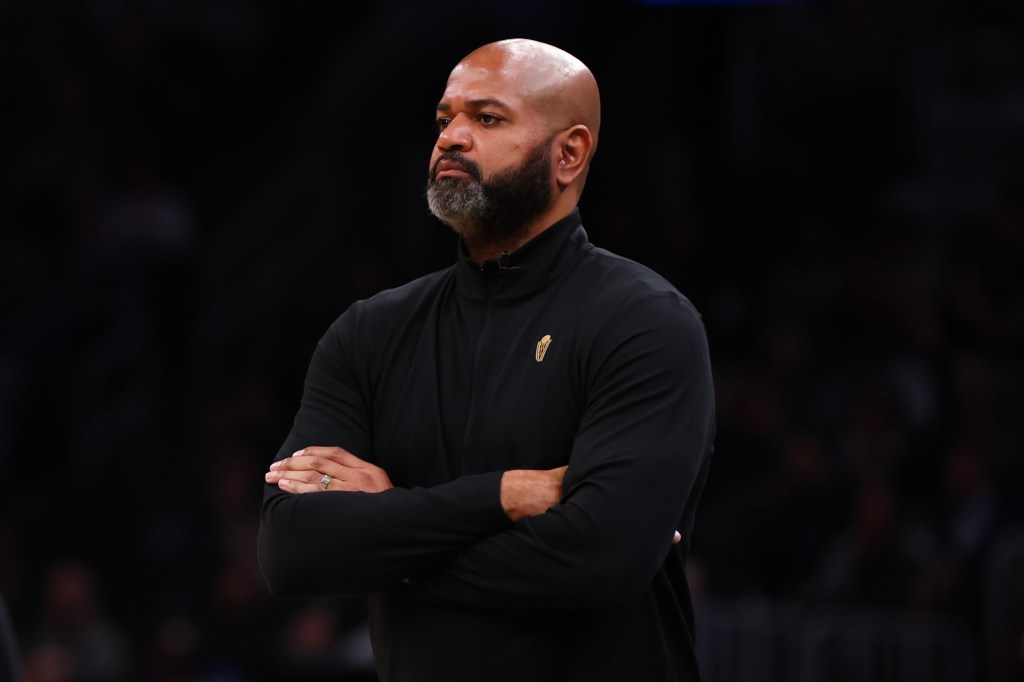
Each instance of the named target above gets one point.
<point>508,494</point>
<point>529,492</point>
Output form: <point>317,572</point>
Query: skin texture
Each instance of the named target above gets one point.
<point>501,102</point>
<point>303,471</point>
<point>524,492</point>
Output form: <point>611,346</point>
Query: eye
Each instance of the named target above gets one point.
<point>488,119</point>
<point>443,123</point>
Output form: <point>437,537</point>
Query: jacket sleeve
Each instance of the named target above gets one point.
<point>345,542</point>
<point>636,470</point>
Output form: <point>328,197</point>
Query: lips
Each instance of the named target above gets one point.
<point>447,168</point>
<point>454,166</point>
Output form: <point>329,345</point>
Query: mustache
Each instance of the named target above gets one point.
<point>457,158</point>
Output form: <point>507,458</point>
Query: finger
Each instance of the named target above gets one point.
<point>336,454</point>
<point>312,482</point>
<point>295,477</point>
<point>306,482</point>
<point>305,470</point>
<point>676,538</point>
<point>347,485</point>
<point>297,463</point>
<point>306,467</point>
<point>310,461</point>
<point>293,487</point>
<point>307,475</point>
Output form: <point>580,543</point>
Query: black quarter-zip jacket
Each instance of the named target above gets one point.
<point>560,353</point>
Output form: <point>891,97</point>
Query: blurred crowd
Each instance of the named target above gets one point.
<point>189,198</point>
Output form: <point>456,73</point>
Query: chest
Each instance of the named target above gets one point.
<point>481,387</point>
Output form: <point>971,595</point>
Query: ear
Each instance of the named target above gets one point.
<point>573,146</point>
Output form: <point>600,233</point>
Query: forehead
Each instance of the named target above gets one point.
<point>484,80</point>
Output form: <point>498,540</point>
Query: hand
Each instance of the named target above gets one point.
<point>528,492</point>
<point>308,469</point>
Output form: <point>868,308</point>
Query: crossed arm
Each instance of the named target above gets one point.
<point>594,533</point>
<point>523,492</point>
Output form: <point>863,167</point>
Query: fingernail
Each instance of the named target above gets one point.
<point>299,453</point>
<point>275,465</point>
<point>270,475</point>
<point>284,483</point>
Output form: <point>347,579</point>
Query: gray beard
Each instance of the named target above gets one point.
<point>461,204</point>
<point>496,212</point>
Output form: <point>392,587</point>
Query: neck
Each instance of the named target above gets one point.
<point>482,251</point>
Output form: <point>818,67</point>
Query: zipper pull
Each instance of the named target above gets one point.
<point>503,262</point>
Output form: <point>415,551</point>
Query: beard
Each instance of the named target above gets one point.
<point>498,211</point>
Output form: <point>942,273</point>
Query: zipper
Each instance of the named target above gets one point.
<point>475,378</point>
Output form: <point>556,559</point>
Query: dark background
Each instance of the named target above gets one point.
<point>191,192</point>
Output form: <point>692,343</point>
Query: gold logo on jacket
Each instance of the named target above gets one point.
<point>542,347</point>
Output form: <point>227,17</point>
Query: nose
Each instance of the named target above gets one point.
<point>455,136</point>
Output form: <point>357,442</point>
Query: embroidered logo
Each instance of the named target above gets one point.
<point>542,347</point>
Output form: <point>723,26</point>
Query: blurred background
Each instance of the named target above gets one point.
<point>191,192</point>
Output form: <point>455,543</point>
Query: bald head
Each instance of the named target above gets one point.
<point>556,82</point>
<point>517,128</point>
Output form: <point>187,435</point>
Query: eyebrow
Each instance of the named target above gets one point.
<point>476,104</point>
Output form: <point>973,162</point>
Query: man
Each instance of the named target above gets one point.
<point>500,453</point>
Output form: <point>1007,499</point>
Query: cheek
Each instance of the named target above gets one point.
<point>497,160</point>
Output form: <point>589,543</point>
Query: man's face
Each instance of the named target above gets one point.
<point>496,210</point>
<point>490,172</point>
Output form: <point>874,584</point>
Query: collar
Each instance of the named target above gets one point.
<point>530,268</point>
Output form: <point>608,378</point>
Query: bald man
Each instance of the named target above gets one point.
<point>500,453</point>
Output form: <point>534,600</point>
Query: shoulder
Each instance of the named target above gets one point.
<point>396,303</point>
<point>374,319</point>
<point>625,289</point>
<point>638,333</point>
<point>631,316</point>
<point>404,298</point>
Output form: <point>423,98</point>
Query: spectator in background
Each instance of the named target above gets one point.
<point>73,640</point>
